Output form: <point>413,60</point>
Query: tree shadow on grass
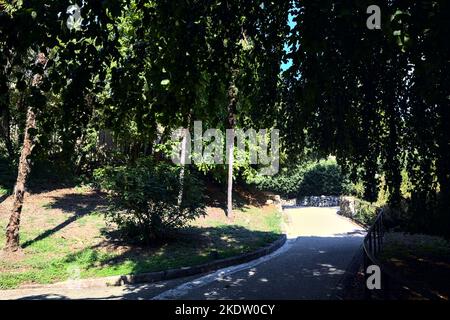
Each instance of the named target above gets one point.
<point>79,205</point>
<point>188,247</point>
<point>312,268</point>
<point>216,196</point>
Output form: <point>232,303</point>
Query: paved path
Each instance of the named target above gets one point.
<point>310,265</point>
<point>320,247</point>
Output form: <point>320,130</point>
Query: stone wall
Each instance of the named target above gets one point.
<point>322,201</point>
<point>347,207</point>
<point>358,210</point>
<point>312,201</point>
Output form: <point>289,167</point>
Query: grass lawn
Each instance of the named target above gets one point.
<point>3,191</point>
<point>420,259</point>
<point>64,236</point>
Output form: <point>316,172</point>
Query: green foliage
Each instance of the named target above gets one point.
<point>365,212</point>
<point>324,178</point>
<point>54,258</point>
<point>144,198</point>
<point>377,99</point>
<point>72,77</point>
<point>359,210</point>
<point>285,183</point>
<point>306,179</point>
<point>141,68</point>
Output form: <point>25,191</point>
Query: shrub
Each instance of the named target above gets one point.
<point>362,211</point>
<point>144,198</point>
<point>285,183</point>
<point>366,213</point>
<point>323,178</point>
<point>307,179</point>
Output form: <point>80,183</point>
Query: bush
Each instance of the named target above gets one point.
<point>307,179</point>
<point>144,198</point>
<point>362,211</point>
<point>323,178</point>
<point>366,213</point>
<point>284,183</point>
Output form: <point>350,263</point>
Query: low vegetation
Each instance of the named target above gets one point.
<point>65,235</point>
<point>310,178</point>
<point>359,210</point>
<point>147,200</point>
<point>420,259</point>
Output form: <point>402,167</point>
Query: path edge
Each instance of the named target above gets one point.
<point>170,274</point>
<point>344,285</point>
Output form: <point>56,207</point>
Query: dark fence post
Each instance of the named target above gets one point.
<point>372,245</point>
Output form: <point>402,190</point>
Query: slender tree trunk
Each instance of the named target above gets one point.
<point>12,230</point>
<point>184,144</point>
<point>80,159</point>
<point>230,181</point>
<point>232,101</point>
<point>183,162</point>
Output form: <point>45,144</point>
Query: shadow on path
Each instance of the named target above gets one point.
<point>311,269</point>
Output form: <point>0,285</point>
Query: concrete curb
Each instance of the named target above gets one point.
<point>167,274</point>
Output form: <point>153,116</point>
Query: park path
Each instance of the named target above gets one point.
<point>311,265</point>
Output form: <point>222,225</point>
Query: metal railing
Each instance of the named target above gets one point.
<point>372,245</point>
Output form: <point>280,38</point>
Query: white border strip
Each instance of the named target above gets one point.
<point>184,288</point>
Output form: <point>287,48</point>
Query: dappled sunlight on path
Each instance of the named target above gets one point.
<point>311,265</point>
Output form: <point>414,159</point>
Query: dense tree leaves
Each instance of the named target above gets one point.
<point>44,60</point>
<point>377,99</point>
<point>178,58</point>
<point>72,75</point>
<point>137,68</point>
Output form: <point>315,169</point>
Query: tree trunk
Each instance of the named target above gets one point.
<point>183,162</point>
<point>12,230</point>
<point>232,96</point>
<point>230,180</point>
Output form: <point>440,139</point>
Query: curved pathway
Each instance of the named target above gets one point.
<point>311,265</point>
<point>320,247</point>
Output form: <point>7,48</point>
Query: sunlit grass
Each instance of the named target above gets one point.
<point>3,191</point>
<point>54,257</point>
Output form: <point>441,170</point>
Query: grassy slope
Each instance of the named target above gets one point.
<point>68,238</point>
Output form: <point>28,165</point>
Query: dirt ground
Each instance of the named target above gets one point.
<point>66,226</point>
